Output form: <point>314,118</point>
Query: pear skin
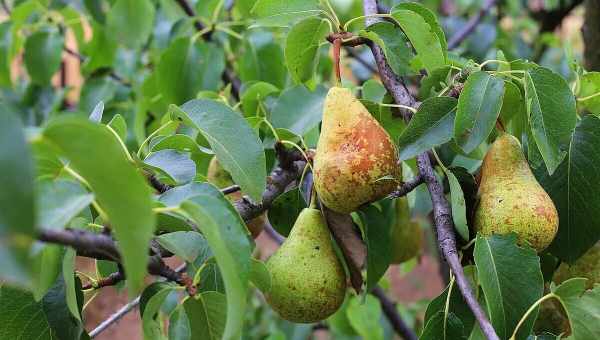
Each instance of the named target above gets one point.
<point>308,281</point>
<point>219,177</point>
<point>353,154</point>
<point>407,235</point>
<point>511,199</point>
<point>587,266</point>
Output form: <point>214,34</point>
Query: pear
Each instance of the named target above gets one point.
<point>356,161</point>
<point>308,281</point>
<point>511,199</point>
<point>219,177</point>
<point>406,235</point>
<point>587,266</point>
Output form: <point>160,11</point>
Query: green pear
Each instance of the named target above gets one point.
<point>406,235</point>
<point>308,280</point>
<point>356,161</point>
<point>511,199</point>
<point>219,177</point>
<point>587,266</point>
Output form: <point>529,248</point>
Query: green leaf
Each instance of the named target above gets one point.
<point>211,211</point>
<point>236,145</point>
<point>364,317</point>
<point>120,189</point>
<point>573,189</point>
<point>179,325</point>
<point>511,279</point>
<point>582,307</point>
<point>5,44</point>
<point>423,38</point>
<point>186,244</point>
<point>17,209</point>
<point>478,109</point>
<point>459,208</point>
<point>71,286</point>
<point>177,165</point>
<point>94,91</point>
<point>101,49</point>
<point>150,302</point>
<point>589,85</point>
<point>262,59</point>
<point>443,326</point>
<point>301,47</point>
<point>260,275</point>
<point>59,201</point>
<point>209,277</point>
<point>47,260</point>
<point>430,18</point>
<point>455,309</point>
<point>430,126</point>
<point>187,67</point>
<point>48,319</point>
<point>118,124</point>
<point>373,90</point>
<point>512,114</point>
<point>283,12</point>
<point>254,95</point>
<point>394,44</point>
<point>552,114</point>
<point>131,22</point>
<point>43,52</point>
<point>207,314</point>
<point>285,210</point>
<point>97,112</point>
<point>376,230</point>
<point>298,109</point>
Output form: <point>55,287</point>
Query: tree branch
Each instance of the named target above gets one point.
<point>441,208</point>
<point>550,20</point>
<point>390,311</point>
<point>470,26</point>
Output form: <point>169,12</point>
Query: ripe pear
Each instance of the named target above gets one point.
<point>308,281</point>
<point>219,177</point>
<point>406,235</point>
<point>511,199</point>
<point>587,266</point>
<point>356,161</point>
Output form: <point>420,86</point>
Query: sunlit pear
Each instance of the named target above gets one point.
<point>587,266</point>
<point>308,280</point>
<point>219,177</point>
<point>356,161</point>
<point>406,235</point>
<point>511,199</point>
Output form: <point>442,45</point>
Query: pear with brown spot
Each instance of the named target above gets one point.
<point>308,281</point>
<point>511,199</point>
<point>356,161</point>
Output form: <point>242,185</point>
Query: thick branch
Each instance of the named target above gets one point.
<point>550,20</point>
<point>470,26</point>
<point>441,208</point>
<point>591,38</point>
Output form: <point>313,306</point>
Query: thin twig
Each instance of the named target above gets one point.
<point>230,189</point>
<point>122,311</point>
<point>407,187</point>
<point>82,59</point>
<point>111,280</point>
<point>470,26</point>
<point>441,209</point>
<point>390,311</point>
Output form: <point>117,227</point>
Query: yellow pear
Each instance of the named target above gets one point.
<point>308,281</point>
<point>356,161</point>
<point>219,177</point>
<point>511,199</point>
<point>406,235</point>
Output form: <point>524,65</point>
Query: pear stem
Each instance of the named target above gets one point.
<point>337,45</point>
